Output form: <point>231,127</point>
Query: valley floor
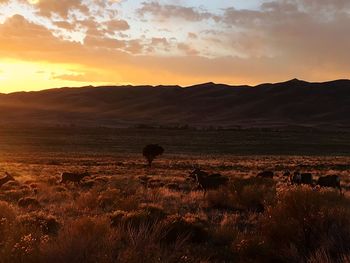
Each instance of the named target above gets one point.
<point>111,216</point>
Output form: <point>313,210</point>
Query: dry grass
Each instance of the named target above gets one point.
<point>112,217</point>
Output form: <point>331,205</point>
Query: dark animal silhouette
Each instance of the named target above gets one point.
<point>8,177</point>
<point>151,151</point>
<point>301,178</point>
<point>329,181</point>
<point>266,174</point>
<point>73,177</point>
<point>207,181</point>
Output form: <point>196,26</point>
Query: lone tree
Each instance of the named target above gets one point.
<point>151,151</point>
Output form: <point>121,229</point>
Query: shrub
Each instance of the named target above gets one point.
<point>177,228</point>
<point>254,193</point>
<point>18,243</point>
<point>29,202</point>
<point>222,199</point>
<point>15,195</point>
<point>144,244</point>
<point>7,220</point>
<point>108,199</point>
<point>47,224</point>
<point>82,240</point>
<point>146,215</point>
<point>308,220</point>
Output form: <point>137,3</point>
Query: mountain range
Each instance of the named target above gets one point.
<point>285,104</point>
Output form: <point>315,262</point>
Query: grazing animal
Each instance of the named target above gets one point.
<point>266,174</point>
<point>73,177</point>
<point>329,181</point>
<point>301,178</point>
<point>8,177</point>
<point>207,181</point>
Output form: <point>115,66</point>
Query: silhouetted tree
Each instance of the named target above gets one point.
<point>151,151</point>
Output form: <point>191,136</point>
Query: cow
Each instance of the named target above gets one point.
<point>207,181</point>
<point>73,177</point>
<point>7,178</point>
<point>301,178</point>
<point>329,181</point>
<point>265,174</point>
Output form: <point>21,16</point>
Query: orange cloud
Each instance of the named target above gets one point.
<point>276,42</point>
<point>50,7</point>
<point>117,25</point>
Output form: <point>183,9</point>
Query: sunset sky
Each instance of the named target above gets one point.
<point>54,43</point>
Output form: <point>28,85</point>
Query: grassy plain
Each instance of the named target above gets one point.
<point>112,217</point>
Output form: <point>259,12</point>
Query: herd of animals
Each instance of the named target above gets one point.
<point>206,181</point>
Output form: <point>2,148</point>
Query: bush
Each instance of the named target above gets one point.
<point>177,228</point>
<point>306,220</point>
<point>222,199</point>
<point>82,240</point>
<point>145,244</point>
<point>47,224</point>
<point>146,215</point>
<point>254,193</point>
<point>29,202</point>
<point>7,221</point>
<point>18,243</point>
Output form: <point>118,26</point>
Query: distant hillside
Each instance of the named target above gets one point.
<point>291,103</point>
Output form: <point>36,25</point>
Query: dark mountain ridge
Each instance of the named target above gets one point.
<point>290,103</point>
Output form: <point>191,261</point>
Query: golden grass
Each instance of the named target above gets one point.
<point>112,217</point>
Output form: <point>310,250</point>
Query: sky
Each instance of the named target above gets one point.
<point>50,43</point>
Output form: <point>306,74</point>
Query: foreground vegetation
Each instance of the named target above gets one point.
<point>112,217</point>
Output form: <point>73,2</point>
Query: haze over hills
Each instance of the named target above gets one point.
<point>291,103</point>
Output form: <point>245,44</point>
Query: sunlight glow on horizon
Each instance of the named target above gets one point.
<point>47,44</point>
<point>18,75</point>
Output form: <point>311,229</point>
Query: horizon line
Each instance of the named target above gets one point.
<point>174,85</point>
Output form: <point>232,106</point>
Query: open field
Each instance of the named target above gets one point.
<point>67,141</point>
<point>111,217</point>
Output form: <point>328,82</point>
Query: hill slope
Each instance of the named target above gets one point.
<point>289,103</point>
